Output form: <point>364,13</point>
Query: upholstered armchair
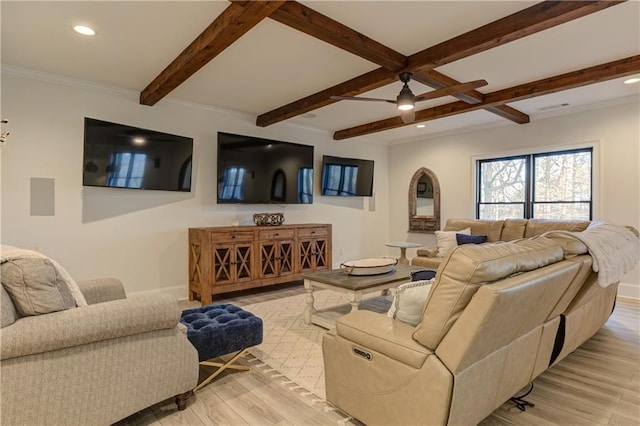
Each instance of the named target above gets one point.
<point>93,364</point>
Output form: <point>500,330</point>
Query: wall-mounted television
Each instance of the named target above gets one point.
<point>348,177</point>
<point>122,156</point>
<point>262,171</point>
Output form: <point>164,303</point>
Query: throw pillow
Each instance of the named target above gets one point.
<point>470,239</point>
<point>36,287</point>
<point>409,301</point>
<point>422,274</point>
<point>7,310</point>
<point>8,253</point>
<point>446,240</point>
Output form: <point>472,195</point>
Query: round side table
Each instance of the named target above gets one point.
<point>403,246</point>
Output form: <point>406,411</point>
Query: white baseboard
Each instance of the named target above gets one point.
<point>628,301</point>
<point>179,292</point>
<point>630,291</point>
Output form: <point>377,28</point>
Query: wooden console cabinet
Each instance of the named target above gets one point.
<point>230,258</point>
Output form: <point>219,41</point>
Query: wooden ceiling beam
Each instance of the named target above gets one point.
<point>317,25</point>
<point>596,74</point>
<point>310,22</point>
<point>228,27</point>
<point>531,20</point>
<point>368,81</point>
<point>528,21</point>
<point>510,113</point>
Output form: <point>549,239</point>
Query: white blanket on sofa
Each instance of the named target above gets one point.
<point>9,253</point>
<point>615,250</point>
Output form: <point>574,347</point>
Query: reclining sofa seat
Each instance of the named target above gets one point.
<point>497,230</point>
<point>488,329</point>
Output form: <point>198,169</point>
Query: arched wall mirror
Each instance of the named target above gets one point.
<point>424,202</point>
<point>279,186</point>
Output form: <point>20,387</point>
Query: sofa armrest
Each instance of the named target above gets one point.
<point>102,290</point>
<point>93,323</point>
<point>428,251</point>
<point>382,334</point>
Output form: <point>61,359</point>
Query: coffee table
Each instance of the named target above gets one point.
<point>355,286</point>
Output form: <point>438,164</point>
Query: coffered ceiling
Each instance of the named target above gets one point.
<point>280,62</point>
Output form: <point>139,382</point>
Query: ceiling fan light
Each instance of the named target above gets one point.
<point>405,100</point>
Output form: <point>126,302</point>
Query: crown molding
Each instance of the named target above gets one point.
<point>64,80</point>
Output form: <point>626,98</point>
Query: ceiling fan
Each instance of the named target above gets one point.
<point>406,100</point>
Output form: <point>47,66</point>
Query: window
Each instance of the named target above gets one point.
<point>340,179</point>
<point>550,185</point>
<point>233,184</point>
<point>126,170</point>
<point>305,185</point>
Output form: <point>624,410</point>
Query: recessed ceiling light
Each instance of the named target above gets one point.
<point>139,140</point>
<point>308,115</point>
<point>632,80</point>
<point>421,126</point>
<point>84,30</point>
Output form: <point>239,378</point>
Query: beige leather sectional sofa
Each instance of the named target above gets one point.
<point>93,365</point>
<point>497,316</point>
<point>497,230</point>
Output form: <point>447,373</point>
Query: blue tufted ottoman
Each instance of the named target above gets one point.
<point>217,330</point>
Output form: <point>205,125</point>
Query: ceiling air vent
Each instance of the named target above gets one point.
<point>550,107</point>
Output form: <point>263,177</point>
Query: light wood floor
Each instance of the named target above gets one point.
<point>598,384</point>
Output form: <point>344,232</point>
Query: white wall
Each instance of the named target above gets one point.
<point>141,236</point>
<point>615,129</point>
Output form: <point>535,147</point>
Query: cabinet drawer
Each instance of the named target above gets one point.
<point>276,234</point>
<point>230,237</point>
<point>313,232</point>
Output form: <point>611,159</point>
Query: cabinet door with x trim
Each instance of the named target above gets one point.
<point>276,258</point>
<point>314,253</point>
<point>232,263</point>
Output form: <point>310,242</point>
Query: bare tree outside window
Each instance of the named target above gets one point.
<point>554,185</point>
<point>562,186</point>
<point>502,188</point>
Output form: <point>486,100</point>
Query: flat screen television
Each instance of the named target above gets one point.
<point>348,177</point>
<point>121,156</point>
<point>262,171</point>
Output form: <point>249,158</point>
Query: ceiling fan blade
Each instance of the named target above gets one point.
<point>408,116</point>
<point>357,98</point>
<point>451,90</point>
